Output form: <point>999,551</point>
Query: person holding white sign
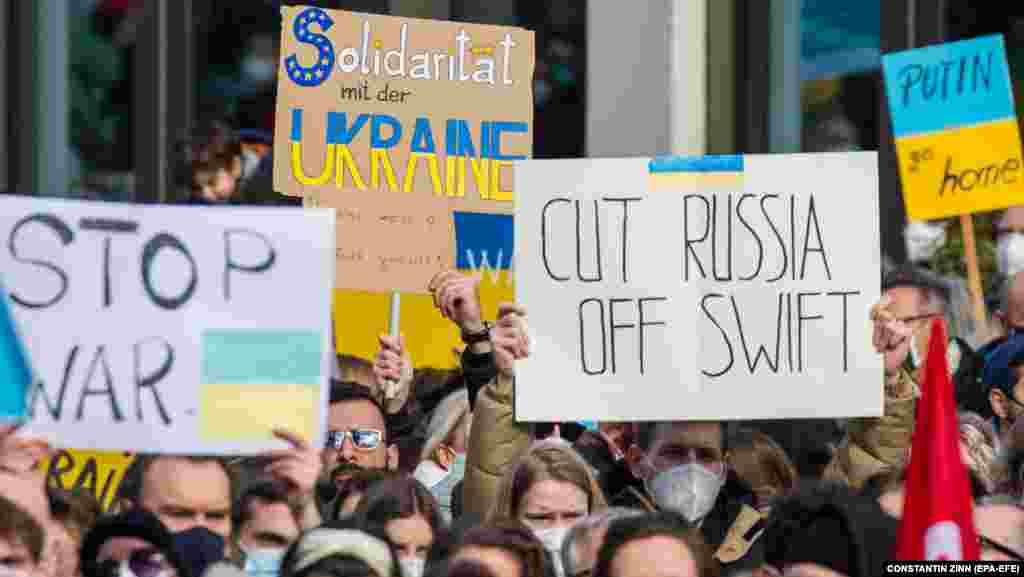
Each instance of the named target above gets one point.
<point>496,440</point>
<point>23,482</point>
<point>901,332</point>
<point>166,486</point>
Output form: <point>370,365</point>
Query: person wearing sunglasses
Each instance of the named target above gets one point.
<point>132,544</point>
<point>356,441</point>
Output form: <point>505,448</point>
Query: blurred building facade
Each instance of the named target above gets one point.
<point>95,94</point>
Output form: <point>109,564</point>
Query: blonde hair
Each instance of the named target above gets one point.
<point>547,460</point>
<point>450,413</point>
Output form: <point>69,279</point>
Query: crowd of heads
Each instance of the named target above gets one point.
<point>440,480</point>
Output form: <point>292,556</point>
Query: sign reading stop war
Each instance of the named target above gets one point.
<point>956,129</point>
<point>698,288</point>
<point>170,329</point>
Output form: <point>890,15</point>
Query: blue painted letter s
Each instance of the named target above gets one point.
<point>321,70</point>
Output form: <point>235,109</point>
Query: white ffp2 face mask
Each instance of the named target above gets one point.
<point>413,567</point>
<point>690,490</point>
<point>553,538</point>
<point>924,239</point>
<point>1010,257</point>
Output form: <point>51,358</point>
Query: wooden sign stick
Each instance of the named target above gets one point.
<point>394,330</point>
<point>974,274</point>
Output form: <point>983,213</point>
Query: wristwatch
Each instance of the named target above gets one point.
<point>478,337</point>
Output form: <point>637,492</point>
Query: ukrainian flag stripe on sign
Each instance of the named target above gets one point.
<point>255,380</point>
<point>696,174</point>
<point>484,248</point>
<point>483,240</point>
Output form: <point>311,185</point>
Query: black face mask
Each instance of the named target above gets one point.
<point>199,548</point>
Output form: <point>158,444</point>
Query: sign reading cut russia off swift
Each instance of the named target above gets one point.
<point>396,122</point>
<point>955,127</point>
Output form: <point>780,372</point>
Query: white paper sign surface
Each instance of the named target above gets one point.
<point>171,329</point>
<point>698,288</point>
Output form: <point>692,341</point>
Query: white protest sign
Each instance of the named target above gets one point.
<point>171,329</point>
<point>698,288</point>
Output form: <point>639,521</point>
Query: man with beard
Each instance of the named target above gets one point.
<point>357,439</point>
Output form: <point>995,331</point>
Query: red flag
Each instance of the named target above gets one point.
<point>938,511</point>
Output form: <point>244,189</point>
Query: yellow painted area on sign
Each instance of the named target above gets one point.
<point>360,317</point>
<point>971,169</point>
<point>97,472</point>
<point>248,412</point>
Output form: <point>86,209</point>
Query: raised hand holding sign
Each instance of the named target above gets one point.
<point>510,337</point>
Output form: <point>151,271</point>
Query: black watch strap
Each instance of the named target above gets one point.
<point>477,337</point>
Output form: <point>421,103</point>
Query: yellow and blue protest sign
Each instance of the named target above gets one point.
<point>484,247</point>
<point>398,123</point>
<point>955,126</point>
<point>15,371</point>
<point>409,129</point>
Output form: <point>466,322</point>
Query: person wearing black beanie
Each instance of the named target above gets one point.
<point>146,543</point>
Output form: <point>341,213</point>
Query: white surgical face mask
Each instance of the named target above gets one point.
<point>1010,250</point>
<point>690,490</point>
<point>413,566</point>
<point>552,539</point>
<point>924,239</point>
<point>264,562</point>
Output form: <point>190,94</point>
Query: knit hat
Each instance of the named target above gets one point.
<point>138,524</point>
<point>322,543</point>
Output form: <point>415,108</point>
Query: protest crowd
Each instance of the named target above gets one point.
<point>430,472</point>
<point>431,475</point>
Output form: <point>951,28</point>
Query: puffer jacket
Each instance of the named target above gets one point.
<point>875,445</point>
<point>496,441</point>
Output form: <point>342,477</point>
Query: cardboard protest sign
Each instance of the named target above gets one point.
<point>99,473</point>
<point>698,288</point>
<point>171,329</point>
<point>15,370</point>
<point>956,129</point>
<point>373,110</point>
<point>373,243</point>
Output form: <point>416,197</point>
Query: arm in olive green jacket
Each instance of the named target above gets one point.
<point>879,444</point>
<point>495,443</point>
